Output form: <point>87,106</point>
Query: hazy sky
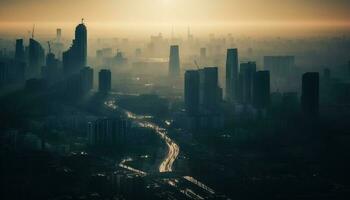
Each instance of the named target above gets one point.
<point>133,14</point>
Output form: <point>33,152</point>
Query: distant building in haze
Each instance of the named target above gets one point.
<point>192,91</point>
<point>104,80</point>
<point>203,53</point>
<point>75,57</point>
<point>51,71</point>
<point>231,74</point>
<point>281,69</point>
<point>174,62</point>
<point>57,46</point>
<point>310,93</point>
<point>261,90</point>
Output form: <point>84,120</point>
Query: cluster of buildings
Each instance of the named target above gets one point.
<point>108,131</point>
<point>246,87</point>
<point>68,71</point>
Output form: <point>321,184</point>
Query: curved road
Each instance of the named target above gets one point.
<point>174,150</point>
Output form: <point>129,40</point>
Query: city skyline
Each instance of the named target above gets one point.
<point>122,17</point>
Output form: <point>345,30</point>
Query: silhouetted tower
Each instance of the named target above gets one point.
<point>87,79</point>
<point>203,53</point>
<point>261,90</point>
<point>104,80</point>
<point>208,88</point>
<point>36,59</point>
<point>192,91</point>
<point>327,74</point>
<point>174,62</point>
<point>19,54</point>
<point>75,57</point>
<point>58,35</point>
<point>231,74</point>
<point>247,71</point>
<point>310,94</point>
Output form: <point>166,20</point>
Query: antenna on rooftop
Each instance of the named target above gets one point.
<point>33,31</point>
<point>48,42</point>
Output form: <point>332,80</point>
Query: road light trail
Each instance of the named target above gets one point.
<point>173,149</point>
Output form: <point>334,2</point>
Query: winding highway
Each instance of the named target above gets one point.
<point>173,148</point>
<point>168,162</point>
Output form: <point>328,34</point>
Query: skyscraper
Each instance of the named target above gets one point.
<point>36,59</point>
<point>281,69</point>
<point>247,71</point>
<point>51,72</point>
<point>192,91</point>
<point>203,53</point>
<point>75,57</point>
<point>19,54</point>
<point>208,88</point>
<point>310,94</point>
<point>58,35</point>
<point>231,74</point>
<point>261,98</point>
<point>104,80</point>
<point>87,79</point>
<point>109,131</point>
<point>174,62</point>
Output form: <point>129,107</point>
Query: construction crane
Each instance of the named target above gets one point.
<point>33,31</point>
<point>195,62</point>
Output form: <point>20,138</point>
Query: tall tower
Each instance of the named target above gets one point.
<point>231,74</point>
<point>247,71</point>
<point>104,81</point>
<point>208,88</point>
<point>75,58</point>
<point>174,62</point>
<point>310,94</point>
<point>192,91</point>
<point>261,90</point>
<point>19,54</point>
<point>58,35</point>
<point>36,59</point>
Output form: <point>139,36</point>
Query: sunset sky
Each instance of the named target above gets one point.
<point>145,14</point>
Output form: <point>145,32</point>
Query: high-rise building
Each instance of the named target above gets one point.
<point>247,71</point>
<point>208,88</point>
<point>36,59</point>
<point>231,74</point>
<point>104,80</point>
<point>87,79</point>
<point>203,53</point>
<point>19,54</point>
<point>279,65</point>
<point>51,72</point>
<point>327,74</point>
<point>75,57</point>
<point>261,97</point>
<point>108,131</point>
<point>281,69</point>
<point>57,46</point>
<point>310,93</point>
<point>192,91</point>
<point>174,62</point>
<point>58,35</point>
